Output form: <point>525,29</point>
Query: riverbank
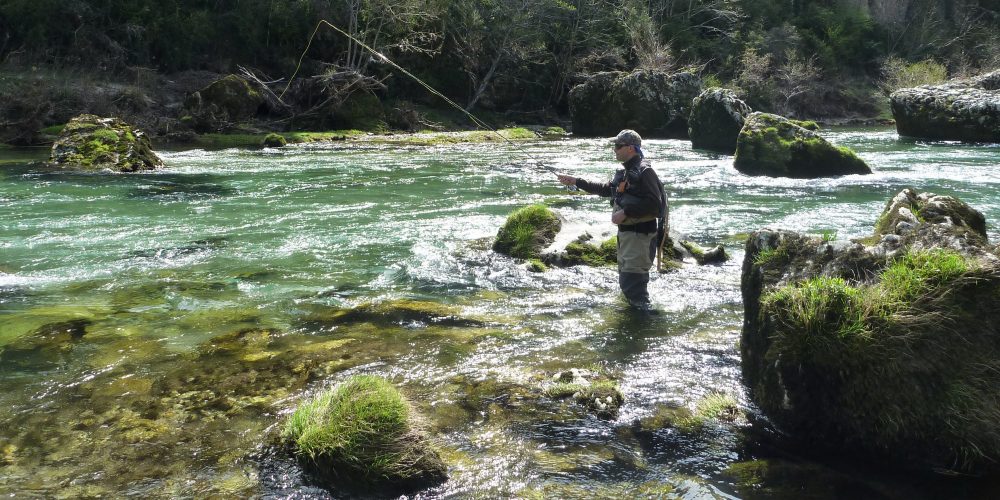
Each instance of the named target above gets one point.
<point>37,102</point>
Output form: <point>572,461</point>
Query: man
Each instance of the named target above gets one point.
<point>637,201</point>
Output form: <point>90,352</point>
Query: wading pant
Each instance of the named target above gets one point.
<point>636,252</point>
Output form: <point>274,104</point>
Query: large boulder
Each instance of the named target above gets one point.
<point>717,117</point>
<point>960,110</point>
<point>655,103</point>
<point>775,146</point>
<point>886,347</point>
<point>89,142</point>
<point>222,105</point>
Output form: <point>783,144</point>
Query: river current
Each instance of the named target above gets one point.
<point>156,328</point>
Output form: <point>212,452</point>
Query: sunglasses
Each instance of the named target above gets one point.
<point>619,146</point>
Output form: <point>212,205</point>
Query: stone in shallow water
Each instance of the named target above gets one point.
<point>92,143</point>
<point>960,110</point>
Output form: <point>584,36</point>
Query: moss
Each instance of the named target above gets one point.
<point>773,145</point>
<point>361,432</point>
<point>392,312</point>
<point>273,140</point>
<point>53,129</point>
<point>715,407</point>
<point>537,266</point>
<point>527,231</point>
<point>806,124</point>
<point>580,252</point>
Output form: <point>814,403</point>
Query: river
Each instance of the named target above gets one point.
<point>156,328</point>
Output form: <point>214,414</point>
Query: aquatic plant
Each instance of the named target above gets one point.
<point>361,433</point>
<point>527,231</point>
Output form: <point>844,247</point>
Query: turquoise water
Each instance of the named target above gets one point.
<point>156,327</point>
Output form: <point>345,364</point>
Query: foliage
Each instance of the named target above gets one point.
<point>898,74</point>
<point>516,54</point>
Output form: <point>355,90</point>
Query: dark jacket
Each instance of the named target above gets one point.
<point>643,193</point>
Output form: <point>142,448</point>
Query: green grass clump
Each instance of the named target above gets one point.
<point>362,427</point>
<point>527,231</point>
<point>767,255</point>
<point>537,266</point>
<point>105,135</point>
<point>916,273</point>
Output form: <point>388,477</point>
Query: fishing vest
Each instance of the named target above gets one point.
<point>627,183</point>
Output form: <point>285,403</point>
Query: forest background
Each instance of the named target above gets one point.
<point>511,60</point>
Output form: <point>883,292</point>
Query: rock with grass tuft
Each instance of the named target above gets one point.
<point>774,146</point>
<point>717,117</point>
<point>527,232</point>
<point>884,347</point>
<point>273,140</point>
<point>361,436</point>
<point>92,143</point>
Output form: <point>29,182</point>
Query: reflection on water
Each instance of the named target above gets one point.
<point>154,328</point>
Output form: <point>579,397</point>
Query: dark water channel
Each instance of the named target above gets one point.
<point>156,328</point>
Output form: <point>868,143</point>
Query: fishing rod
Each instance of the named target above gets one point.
<point>382,57</point>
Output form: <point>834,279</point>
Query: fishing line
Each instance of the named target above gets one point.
<point>479,123</point>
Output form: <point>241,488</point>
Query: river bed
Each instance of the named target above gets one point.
<point>156,328</point>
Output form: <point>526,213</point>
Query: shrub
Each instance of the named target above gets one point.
<point>898,73</point>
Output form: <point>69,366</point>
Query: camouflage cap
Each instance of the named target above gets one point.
<point>628,137</point>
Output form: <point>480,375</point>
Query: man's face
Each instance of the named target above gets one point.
<point>624,152</point>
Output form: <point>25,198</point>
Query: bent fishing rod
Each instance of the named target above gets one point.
<point>382,57</point>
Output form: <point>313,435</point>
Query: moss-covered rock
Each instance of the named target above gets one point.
<point>273,140</point>
<point>960,110</point>
<point>221,105</point>
<point>362,435</point>
<point>582,252</point>
<point>888,350</point>
<point>655,103</point>
<point>89,142</point>
<point>714,255</point>
<point>717,117</point>
<point>527,232</point>
<point>774,146</point>
<point>393,312</point>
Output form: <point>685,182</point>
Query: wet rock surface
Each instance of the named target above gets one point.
<point>717,117</point>
<point>654,103</point>
<point>960,110</point>
<point>885,347</point>
<point>92,143</point>
<point>775,146</point>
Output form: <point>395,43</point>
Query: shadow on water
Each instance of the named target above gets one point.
<point>170,253</point>
<point>175,187</point>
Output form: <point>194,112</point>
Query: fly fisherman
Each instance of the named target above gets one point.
<point>637,201</point>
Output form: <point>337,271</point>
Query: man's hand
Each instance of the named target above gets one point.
<point>567,180</point>
<point>618,217</point>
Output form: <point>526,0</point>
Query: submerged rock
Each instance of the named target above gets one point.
<point>89,143</point>
<point>959,110</point>
<point>222,105</point>
<point>717,117</point>
<point>600,395</point>
<point>361,435</point>
<point>887,349</point>
<point>527,231</point>
<point>393,312</point>
<point>775,146</point>
<point>653,102</point>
